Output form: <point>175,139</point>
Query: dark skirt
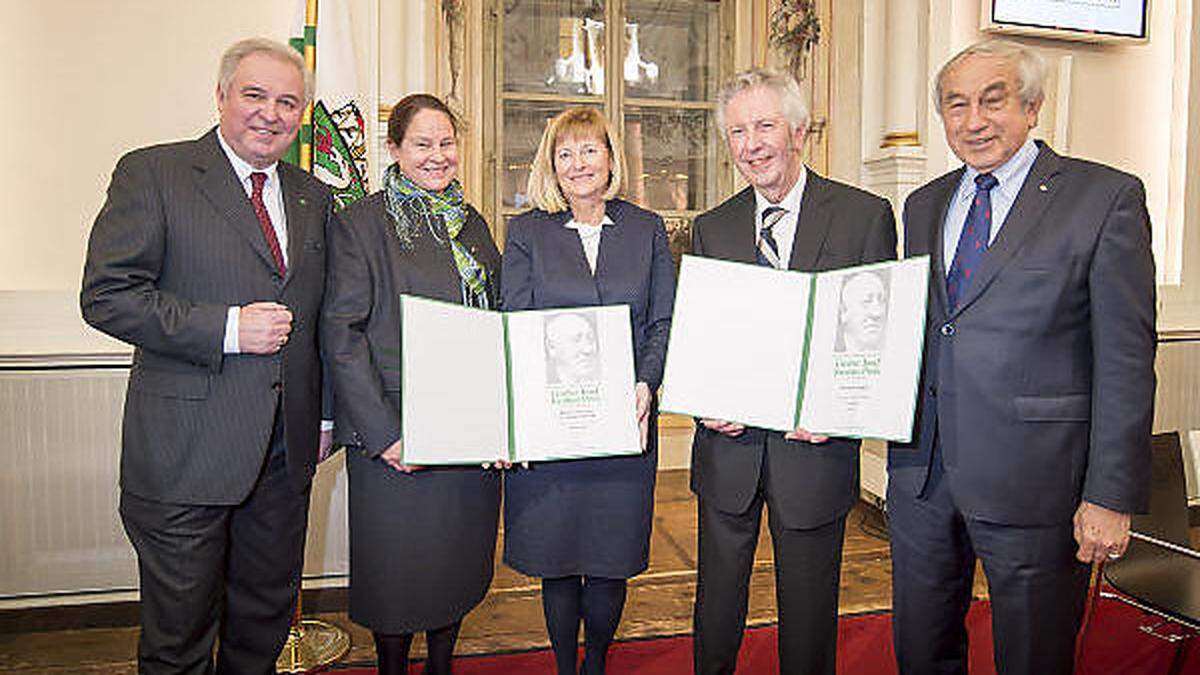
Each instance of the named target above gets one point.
<point>586,516</point>
<point>422,545</point>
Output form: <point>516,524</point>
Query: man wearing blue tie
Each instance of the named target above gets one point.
<point>789,218</point>
<point>1032,443</point>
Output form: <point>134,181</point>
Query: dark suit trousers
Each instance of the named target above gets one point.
<point>232,569</point>
<point>807,572</point>
<point>1036,586</point>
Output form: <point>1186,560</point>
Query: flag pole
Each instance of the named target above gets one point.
<point>311,643</point>
<point>310,62</point>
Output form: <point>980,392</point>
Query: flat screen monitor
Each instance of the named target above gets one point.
<point>1093,20</point>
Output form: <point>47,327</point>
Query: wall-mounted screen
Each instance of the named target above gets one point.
<point>1092,20</point>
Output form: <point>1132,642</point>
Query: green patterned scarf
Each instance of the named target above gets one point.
<point>401,193</point>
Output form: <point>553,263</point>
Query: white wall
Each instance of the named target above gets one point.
<point>85,82</point>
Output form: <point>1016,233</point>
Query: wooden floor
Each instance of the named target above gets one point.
<point>510,618</point>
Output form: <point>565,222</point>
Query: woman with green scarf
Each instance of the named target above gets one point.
<point>421,538</point>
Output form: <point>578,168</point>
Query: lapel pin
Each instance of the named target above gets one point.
<point>304,202</point>
<point>1043,188</point>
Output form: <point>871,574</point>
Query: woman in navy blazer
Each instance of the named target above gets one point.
<point>583,526</point>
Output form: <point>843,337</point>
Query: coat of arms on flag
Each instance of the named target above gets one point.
<point>332,144</point>
<point>339,157</point>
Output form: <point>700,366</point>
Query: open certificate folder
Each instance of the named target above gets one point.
<point>477,386</point>
<point>837,353</point>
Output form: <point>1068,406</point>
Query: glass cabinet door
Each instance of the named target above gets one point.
<point>660,93</point>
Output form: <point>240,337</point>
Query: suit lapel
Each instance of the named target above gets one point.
<point>298,208</point>
<point>1023,218</point>
<point>813,225</point>
<point>743,229</point>
<point>566,240</point>
<point>610,241</point>
<point>940,204</point>
<point>220,186</point>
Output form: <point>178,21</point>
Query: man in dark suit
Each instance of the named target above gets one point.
<point>1032,444</point>
<point>789,218</point>
<point>209,257</point>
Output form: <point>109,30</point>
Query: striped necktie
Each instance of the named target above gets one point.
<point>973,242</point>
<point>768,250</point>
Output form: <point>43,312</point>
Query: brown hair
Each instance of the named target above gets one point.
<point>407,108</point>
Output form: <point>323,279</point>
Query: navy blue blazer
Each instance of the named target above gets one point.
<point>544,267</point>
<point>1039,386</point>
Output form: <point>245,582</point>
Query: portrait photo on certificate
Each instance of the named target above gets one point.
<point>836,352</point>
<point>544,384</point>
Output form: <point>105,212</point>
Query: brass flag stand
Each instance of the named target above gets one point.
<point>311,644</point>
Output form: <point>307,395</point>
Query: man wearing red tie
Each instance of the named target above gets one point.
<point>209,257</point>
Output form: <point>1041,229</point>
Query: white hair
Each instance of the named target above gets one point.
<point>1030,67</point>
<point>256,45</point>
<point>791,98</point>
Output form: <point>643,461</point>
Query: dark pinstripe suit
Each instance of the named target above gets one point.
<point>174,246</point>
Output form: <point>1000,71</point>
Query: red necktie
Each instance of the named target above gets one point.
<point>257,179</point>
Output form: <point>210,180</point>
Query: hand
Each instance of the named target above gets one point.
<point>802,434</point>
<point>263,327</point>
<point>1101,533</point>
<point>325,446</point>
<point>500,464</point>
<point>642,392</point>
<point>392,457</point>
<point>730,429</point>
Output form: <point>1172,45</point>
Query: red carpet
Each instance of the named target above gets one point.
<point>1115,647</point>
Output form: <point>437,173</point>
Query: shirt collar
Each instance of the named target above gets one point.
<point>790,202</point>
<point>242,168</point>
<point>575,225</point>
<point>1017,166</point>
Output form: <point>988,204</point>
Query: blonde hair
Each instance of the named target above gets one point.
<point>577,122</point>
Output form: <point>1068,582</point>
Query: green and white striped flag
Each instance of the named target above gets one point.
<point>332,143</point>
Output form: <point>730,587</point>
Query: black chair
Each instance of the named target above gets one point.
<point>1160,572</point>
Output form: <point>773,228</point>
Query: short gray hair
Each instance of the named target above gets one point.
<point>1030,67</point>
<point>256,45</point>
<point>791,98</point>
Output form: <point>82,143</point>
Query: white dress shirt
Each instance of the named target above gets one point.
<point>589,236</point>
<point>784,231</point>
<point>1011,175</point>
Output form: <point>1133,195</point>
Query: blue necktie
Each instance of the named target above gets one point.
<point>767,251</point>
<point>973,241</point>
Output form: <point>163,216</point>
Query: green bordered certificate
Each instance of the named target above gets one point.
<point>477,386</point>
<point>836,352</point>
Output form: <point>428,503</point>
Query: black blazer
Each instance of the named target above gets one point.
<point>175,244</point>
<point>1040,386</point>
<point>809,485</point>
<point>360,330</point>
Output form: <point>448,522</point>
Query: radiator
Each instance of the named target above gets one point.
<point>62,539</point>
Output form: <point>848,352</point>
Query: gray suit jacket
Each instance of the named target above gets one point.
<point>808,485</point>
<point>175,245</point>
<point>1040,386</point>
